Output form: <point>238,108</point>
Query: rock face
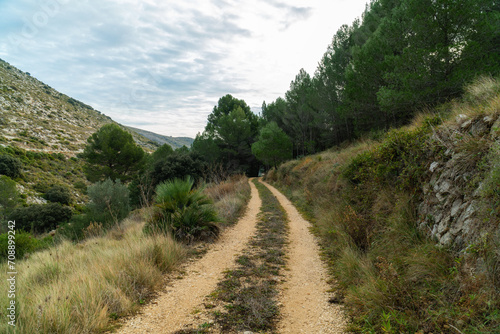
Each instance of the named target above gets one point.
<point>450,210</point>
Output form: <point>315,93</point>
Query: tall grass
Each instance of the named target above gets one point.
<point>230,197</point>
<point>80,288</point>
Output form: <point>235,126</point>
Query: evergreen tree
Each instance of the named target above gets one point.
<point>273,146</point>
<point>112,153</point>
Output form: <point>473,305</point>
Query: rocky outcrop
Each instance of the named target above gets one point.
<point>452,200</point>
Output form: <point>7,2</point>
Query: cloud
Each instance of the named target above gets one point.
<point>293,14</point>
<point>162,61</point>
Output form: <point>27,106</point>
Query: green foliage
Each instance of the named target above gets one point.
<point>183,211</point>
<point>25,243</point>
<point>400,160</point>
<point>273,146</point>
<point>228,136</point>
<point>58,194</point>
<point>10,166</point>
<point>178,165</point>
<point>161,153</point>
<point>9,196</point>
<point>400,57</point>
<point>109,202</point>
<point>206,146</point>
<point>112,153</point>
<point>40,218</point>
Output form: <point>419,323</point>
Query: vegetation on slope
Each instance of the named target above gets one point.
<point>36,117</point>
<point>363,200</point>
<point>401,56</point>
<point>82,287</point>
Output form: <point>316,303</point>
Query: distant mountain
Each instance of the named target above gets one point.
<point>175,142</point>
<point>36,117</point>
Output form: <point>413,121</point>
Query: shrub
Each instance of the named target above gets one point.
<point>183,211</point>
<point>80,185</point>
<point>40,218</point>
<point>74,229</point>
<point>109,202</point>
<point>10,166</point>
<point>9,197</point>
<point>58,194</point>
<point>178,165</point>
<point>25,243</point>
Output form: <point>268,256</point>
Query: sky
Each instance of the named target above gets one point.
<point>163,65</point>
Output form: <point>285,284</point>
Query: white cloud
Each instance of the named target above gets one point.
<point>162,65</point>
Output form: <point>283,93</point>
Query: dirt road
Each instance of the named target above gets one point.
<point>304,298</point>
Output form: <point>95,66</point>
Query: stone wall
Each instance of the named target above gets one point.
<point>451,208</point>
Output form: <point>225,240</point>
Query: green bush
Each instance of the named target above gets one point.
<point>80,185</point>
<point>178,165</point>
<point>74,229</point>
<point>58,194</point>
<point>25,243</point>
<point>9,196</point>
<point>183,211</point>
<point>41,218</point>
<point>109,202</point>
<point>399,161</point>
<point>10,166</point>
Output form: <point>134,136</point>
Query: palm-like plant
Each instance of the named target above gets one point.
<point>183,211</point>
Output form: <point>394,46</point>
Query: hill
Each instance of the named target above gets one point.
<point>36,117</point>
<point>174,142</point>
<point>410,221</point>
<point>46,129</point>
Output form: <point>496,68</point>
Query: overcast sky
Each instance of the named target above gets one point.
<point>163,65</point>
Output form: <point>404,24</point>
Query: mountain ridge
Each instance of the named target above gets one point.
<point>36,117</point>
<point>175,142</point>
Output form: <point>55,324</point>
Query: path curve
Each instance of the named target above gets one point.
<point>172,310</point>
<point>305,306</point>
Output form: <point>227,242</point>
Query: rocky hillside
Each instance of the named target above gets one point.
<point>36,117</point>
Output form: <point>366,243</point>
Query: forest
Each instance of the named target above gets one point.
<point>398,58</point>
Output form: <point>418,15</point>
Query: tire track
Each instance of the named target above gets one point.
<point>172,310</point>
<point>305,300</point>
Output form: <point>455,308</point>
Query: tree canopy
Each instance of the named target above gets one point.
<point>400,57</point>
<point>228,136</point>
<point>112,153</point>
<point>273,146</point>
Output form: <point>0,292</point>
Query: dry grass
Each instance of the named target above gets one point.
<point>81,288</point>
<point>230,197</point>
<point>392,276</point>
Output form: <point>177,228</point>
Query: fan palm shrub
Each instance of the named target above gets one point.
<point>186,213</point>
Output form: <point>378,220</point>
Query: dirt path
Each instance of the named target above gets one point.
<point>304,298</point>
<point>174,308</point>
<point>305,306</point>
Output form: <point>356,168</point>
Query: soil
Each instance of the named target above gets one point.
<point>304,298</point>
